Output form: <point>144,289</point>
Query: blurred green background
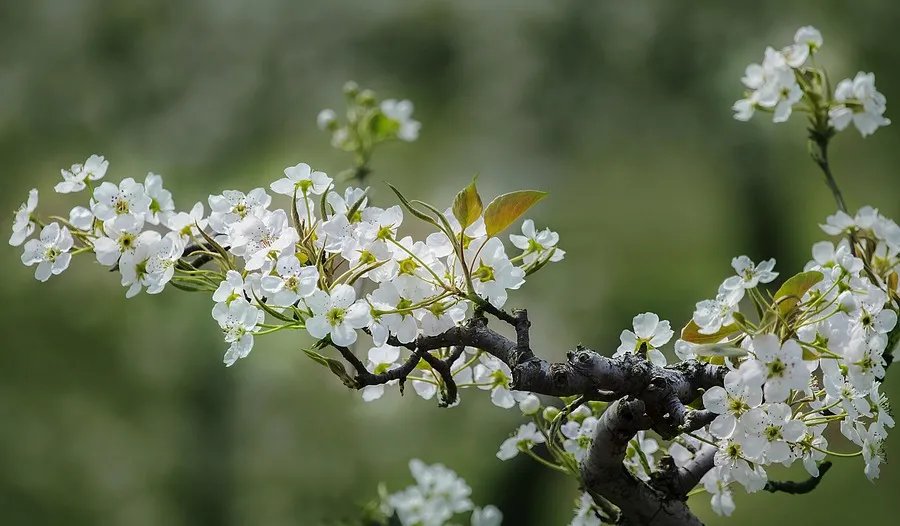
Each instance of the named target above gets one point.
<point>116,412</point>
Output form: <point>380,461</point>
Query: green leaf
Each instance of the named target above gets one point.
<point>691,333</point>
<point>414,211</point>
<point>719,349</point>
<point>467,205</point>
<point>506,208</point>
<point>212,243</point>
<point>792,291</point>
<point>335,366</point>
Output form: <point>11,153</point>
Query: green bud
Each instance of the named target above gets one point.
<point>550,413</point>
<point>351,89</point>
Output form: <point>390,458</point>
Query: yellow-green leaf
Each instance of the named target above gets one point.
<point>792,291</point>
<point>467,205</point>
<point>506,208</point>
<point>691,333</point>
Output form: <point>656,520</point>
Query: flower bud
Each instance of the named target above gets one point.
<point>550,413</point>
<point>326,119</point>
<point>366,98</point>
<point>530,405</point>
<point>351,89</point>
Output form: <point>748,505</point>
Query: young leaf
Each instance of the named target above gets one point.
<point>691,333</point>
<point>792,291</point>
<point>467,205</point>
<point>506,208</point>
<point>413,210</point>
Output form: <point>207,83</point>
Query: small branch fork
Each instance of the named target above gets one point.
<point>644,396</point>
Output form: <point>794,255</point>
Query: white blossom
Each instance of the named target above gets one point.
<point>860,103</point>
<point>401,113</point>
<point>50,252</point>
<point>24,224</point>
<point>336,314</point>
<point>74,178</point>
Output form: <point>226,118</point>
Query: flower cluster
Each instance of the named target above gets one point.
<point>789,80</point>
<point>814,357</point>
<point>330,263</point>
<point>438,495</point>
<point>366,124</point>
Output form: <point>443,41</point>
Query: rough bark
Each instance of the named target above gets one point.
<point>644,396</point>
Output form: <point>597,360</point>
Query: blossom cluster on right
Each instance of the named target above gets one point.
<point>789,80</point>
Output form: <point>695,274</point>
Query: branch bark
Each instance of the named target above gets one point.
<point>645,396</point>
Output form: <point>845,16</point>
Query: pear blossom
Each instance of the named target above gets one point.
<point>438,495</point>
<point>872,442</point>
<point>50,252</point>
<point>493,374</point>
<point>74,178</point>
<point>336,314</point>
<point>493,273</point>
<point>238,320</point>
<point>81,218</point>
<point>401,113</point>
<point>341,204</point>
<point>715,482</point>
<point>161,203</point>
<point>525,438</point>
<point>783,364</point>
<point>391,297</point>
<point>586,512</point>
<point>487,516</point>
<point>649,335</point>
<point>865,362</point>
<point>188,224</point>
<point>232,206</point>
<point>381,360</point>
<point>261,240</point>
<point>640,449</point>
<point>292,282</point>
<point>325,118</point>
<point>134,264</point>
<point>750,275</point>
<point>860,103</point>
<point>24,223</point>
<point>128,198</point>
<point>121,237</point>
<point>232,288</point>
<point>440,315</point>
<point>731,402</point>
<point>807,40</point>
<point>579,436</point>
<point>773,437</point>
<point>161,266</point>
<point>535,244</point>
<point>301,180</point>
<point>712,315</point>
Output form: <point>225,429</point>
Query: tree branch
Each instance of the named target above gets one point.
<point>799,488</point>
<point>603,473</point>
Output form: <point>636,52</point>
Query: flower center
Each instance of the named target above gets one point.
<point>126,242</point>
<point>408,266</point>
<point>484,273</point>
<point>335,316</point>
<point>121,206</point>
<point>737,406</point>
<point>777,368</point>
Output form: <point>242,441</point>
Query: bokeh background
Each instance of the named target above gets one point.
<point>116,412</point>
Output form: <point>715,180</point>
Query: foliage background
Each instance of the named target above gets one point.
<point>115,412</point>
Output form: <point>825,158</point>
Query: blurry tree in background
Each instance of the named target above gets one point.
<point>125,416</point>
